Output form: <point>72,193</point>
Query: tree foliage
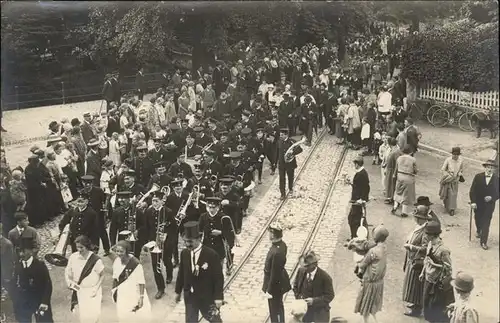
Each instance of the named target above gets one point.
<point>462,55</point>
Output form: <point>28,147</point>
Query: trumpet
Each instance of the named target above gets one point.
<point>153,189</point>
<point>196,191</point>
<point>181,214</point>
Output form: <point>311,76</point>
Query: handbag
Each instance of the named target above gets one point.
<point>461,179</point>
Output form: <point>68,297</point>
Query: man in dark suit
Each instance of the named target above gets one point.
<point>359,195</point>
<point>87,128</point>
<point>200,278</point>
<point>483,196</point>
<point>23,230</point>
<point>286,169</point>
<point>412,135</point>
<point>276,280</point>
<point>315,287</point>
<point>93,165</point>
<point>33,290</point>
<point>108,91</point>
<point>140,84</point>
<point>115,81</point>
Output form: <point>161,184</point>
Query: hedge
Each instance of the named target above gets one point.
<point>460,55</point>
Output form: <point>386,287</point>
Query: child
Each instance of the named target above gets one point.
<point>17,187</point>
<point>365,136</point>
<point>114,149</point>
<point>360,245</point>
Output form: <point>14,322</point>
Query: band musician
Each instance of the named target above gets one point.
<point>230,201</point>
<point>174,202</point>
<point>218,231</point>
<point>200,278</point>
<point>286,170</point>
<point>158,221</point>
<point>82,220</point>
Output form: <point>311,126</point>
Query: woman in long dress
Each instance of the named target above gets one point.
<point>372,269</point>
<point>84,275</point>
<point>129,287</point>
<point>405,172</point>
<point>170,108</point>
<point>451,172</point>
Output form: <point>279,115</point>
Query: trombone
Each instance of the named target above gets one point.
<point>181,213</point>
<point>156,247</point>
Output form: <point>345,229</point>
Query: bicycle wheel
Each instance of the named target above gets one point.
<point>440,118</point>
<point>476,117</point>
<point>464,122</point>
<point>430,112</point>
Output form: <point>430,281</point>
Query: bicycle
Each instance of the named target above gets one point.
<point>417,113</point>
<point>450,115</point>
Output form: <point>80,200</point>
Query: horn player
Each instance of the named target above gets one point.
<point>158,219</point>
<point>121,219</point>
<point>82,220</point>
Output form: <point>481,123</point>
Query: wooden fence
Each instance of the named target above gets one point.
<point>474,100</point>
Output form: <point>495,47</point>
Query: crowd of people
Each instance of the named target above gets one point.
<point>143,173</point>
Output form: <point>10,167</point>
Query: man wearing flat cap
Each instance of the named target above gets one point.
<point>483,195</point>
<point>200,278</point>
<point>276,280</point>
<point>315,287</point>
<point>286,169</point>
<point>33,291</point>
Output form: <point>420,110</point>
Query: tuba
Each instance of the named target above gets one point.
<point>58,256</point>
<point>166,191</point>
<point>289,156</point>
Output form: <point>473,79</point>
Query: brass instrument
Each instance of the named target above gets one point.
<point>131,224</point>
<point>157,246</point>
<point>58,256</point>
<point>166,191</point>
<point>181,214</point>
<point>289,156</point>
<point>153,189</point>
<point>196,191</point>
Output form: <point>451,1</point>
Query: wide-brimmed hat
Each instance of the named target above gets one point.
<point>463,282</point>
<point>423,200</point>
<point>455,151</point>
<point>490,162</point>
<point>310,257</point>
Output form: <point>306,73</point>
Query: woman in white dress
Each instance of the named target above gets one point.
<point>84,274</point>
<point>129,287</point>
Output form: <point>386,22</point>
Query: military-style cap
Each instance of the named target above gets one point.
<point>190,134</point>
<point>159,165</point>
<point>213,200</point>
<point>33,157</point>
<point>86,115</point>
<point>224,133</point>
<point>235,155</point>
<point>226,180</point>
<point>158,194</point>
<point>246,131</point>
<point>124,194</point>
<point>130,172</point>
<point>284,130</point>
<point>210,152</point>
<point>88,178</point>
<point>260,130</point>
<point>198,129</point>
<point>142,148</point>
<point>177,182</point>
<point>174,126</point>
<point>226,115</point>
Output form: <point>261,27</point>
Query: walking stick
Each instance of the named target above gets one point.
<point>470,222</point>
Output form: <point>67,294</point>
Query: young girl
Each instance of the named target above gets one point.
<point>365,136</point>
<point>17,187</point>
<point>360,246</point>
<point>114,149</point>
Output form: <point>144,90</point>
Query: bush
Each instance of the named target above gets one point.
<point>461,55</point>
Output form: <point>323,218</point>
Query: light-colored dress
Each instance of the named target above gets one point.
<point>128,295</point>
<point>448,185</point>
<point>170,111</point>
<point>89,308</point>
<point>114,152</point>
<point>371,293</point>
<point>406,169</point>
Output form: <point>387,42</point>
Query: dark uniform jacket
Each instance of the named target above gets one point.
<point>176,169</point>
<point>478,191</point>
<point>221,222</point>
<point>208,285</point>
<point>282,148</point>
<point>120,221</point>
<point>202,141</point>
<point>154,217</point>
<point>82,223</point>
<point>276,279</point>
<point>233,208</point>
<point>194,151</point>
<point>143,170</point>
<point>34,288</point>
<point>96,200</point>
<point>320,289</point>
<point>156,156</point>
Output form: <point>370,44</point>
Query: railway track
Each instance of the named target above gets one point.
<point>247,276</point>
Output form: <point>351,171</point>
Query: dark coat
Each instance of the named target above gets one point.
<point>360,186</point>
<point>87,132</point>
<point>479,190</point>
<point>151,219</point>
<point>321,292</point>
<point>184,168</point>
<point>143,170</point>
<point>28,233</point>
<point>82,223</point>
<point>34,289</point>
<point>282,147</point>
<point>208,286</point>
<point>107,91</point>
<point>276,279</point>
<point>94,167</point>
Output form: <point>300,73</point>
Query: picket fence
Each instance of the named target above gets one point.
<point>474,100</point>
